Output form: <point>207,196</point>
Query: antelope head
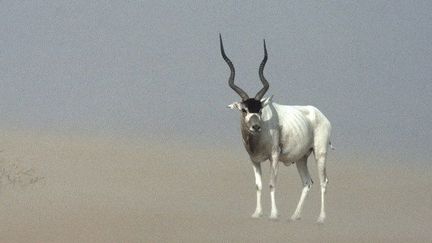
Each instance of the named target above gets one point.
<point>250,107</point>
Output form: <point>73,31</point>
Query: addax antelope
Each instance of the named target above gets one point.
<point>281,133</point>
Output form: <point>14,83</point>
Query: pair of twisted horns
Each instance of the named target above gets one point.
<point>237,89</point>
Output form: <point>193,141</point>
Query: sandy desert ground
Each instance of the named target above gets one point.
<point>76,188</point>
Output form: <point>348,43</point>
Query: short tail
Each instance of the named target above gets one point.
<point>331,146</point>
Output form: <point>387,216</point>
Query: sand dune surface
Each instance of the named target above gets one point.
<point>75,188</point>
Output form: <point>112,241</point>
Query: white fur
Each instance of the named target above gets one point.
<point>288,134</point>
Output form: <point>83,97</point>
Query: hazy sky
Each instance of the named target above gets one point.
<point>150,67</point>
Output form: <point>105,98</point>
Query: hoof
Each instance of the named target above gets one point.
<point>295,217</point>
<point>274,217</point>
<point>257,215</point>
<point>320,220</point>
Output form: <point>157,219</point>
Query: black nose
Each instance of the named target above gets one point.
<point>256,127</point>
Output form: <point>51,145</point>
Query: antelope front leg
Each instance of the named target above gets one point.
<point>258,182</point>
<point>274,166</point>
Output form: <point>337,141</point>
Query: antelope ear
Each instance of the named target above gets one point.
<point>235,105</point>
<point>266,101</point>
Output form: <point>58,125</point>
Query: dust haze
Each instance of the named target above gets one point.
<point>114,124</point>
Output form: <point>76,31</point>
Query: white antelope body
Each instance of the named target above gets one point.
<point>281,133</point>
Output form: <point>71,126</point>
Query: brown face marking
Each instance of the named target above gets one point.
<point>253,105</point>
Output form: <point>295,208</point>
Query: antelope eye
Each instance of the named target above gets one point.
<point>243,110</point>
